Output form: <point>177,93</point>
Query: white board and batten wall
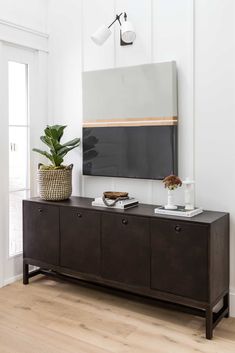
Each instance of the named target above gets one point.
<point>199,35</point>
<point>154,43</point>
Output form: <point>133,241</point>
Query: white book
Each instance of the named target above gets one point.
<point>127,201</point>
<point>124,202</point>
<point>99,203</point>
<point>180,211</point>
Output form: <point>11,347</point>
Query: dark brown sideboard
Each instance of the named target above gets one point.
<point>184,261</point>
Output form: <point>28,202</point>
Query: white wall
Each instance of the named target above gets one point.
<point>215,111</point>
<point>27,13</point>
<point>199,35</point>
<point>64,70</point>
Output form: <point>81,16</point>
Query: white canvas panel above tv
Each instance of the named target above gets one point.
<point>143,91</point>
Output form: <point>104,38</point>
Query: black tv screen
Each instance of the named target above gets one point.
<point>145,152</point>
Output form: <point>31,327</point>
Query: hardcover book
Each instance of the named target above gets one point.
<point>180,211</point>
<point>122,204</point>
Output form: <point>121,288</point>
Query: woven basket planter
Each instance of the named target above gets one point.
<point>55,185</point>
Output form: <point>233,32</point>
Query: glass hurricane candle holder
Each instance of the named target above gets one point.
<point>189,194</point>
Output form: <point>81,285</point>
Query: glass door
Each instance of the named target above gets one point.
<point>19,168</point>
<point>17,86</point>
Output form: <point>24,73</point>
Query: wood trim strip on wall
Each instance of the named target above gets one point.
<point>152,121</point>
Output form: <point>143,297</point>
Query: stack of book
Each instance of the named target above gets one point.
<point>180,211</point>
<point>121,204</point>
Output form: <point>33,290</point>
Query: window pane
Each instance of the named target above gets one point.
<point>18,151</point>
<point>17,85</point>
<point>18,158</point>
<point>15,221</point>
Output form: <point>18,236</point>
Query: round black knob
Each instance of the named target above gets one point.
<point>40,210</point>
<point>79,214</point>
<point>178,229</point>
<point>124,221</point>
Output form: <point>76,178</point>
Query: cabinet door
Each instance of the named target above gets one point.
<point>125,249</point>
<point>179,260</point>
<point>41,232</point>
<point>80,240</point>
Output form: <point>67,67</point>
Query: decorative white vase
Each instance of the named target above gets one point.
<point>170,201</point>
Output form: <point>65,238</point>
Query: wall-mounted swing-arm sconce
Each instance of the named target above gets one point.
<point>127,32</point>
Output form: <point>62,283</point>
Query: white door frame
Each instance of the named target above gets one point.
<point>11,268</point>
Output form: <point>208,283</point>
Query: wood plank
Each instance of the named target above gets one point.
<point>59,317</point>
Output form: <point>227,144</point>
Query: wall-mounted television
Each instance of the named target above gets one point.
<point>130,121</point>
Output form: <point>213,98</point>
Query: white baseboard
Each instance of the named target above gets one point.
<point>17,277</point>
<point>232,304</point>
<point>12,279</point>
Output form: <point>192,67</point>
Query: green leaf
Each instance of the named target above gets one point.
<point>44,153</point>
<point>46,140</point>
<point>52,143</point>
<point>57,160</point>
<point>73,142</point>
<point>63,151</point>
<point>55,131</point>
<point>60,131</point>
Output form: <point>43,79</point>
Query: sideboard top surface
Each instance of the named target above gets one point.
<point>144,210</point>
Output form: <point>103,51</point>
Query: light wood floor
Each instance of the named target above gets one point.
<point>50,316</point>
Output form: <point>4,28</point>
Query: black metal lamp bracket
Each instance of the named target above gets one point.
<point>122,43</point>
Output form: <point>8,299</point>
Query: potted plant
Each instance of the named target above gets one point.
<point>171,182</point>
<point>55,179</point>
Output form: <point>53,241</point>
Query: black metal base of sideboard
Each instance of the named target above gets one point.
<point>211,318</point>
